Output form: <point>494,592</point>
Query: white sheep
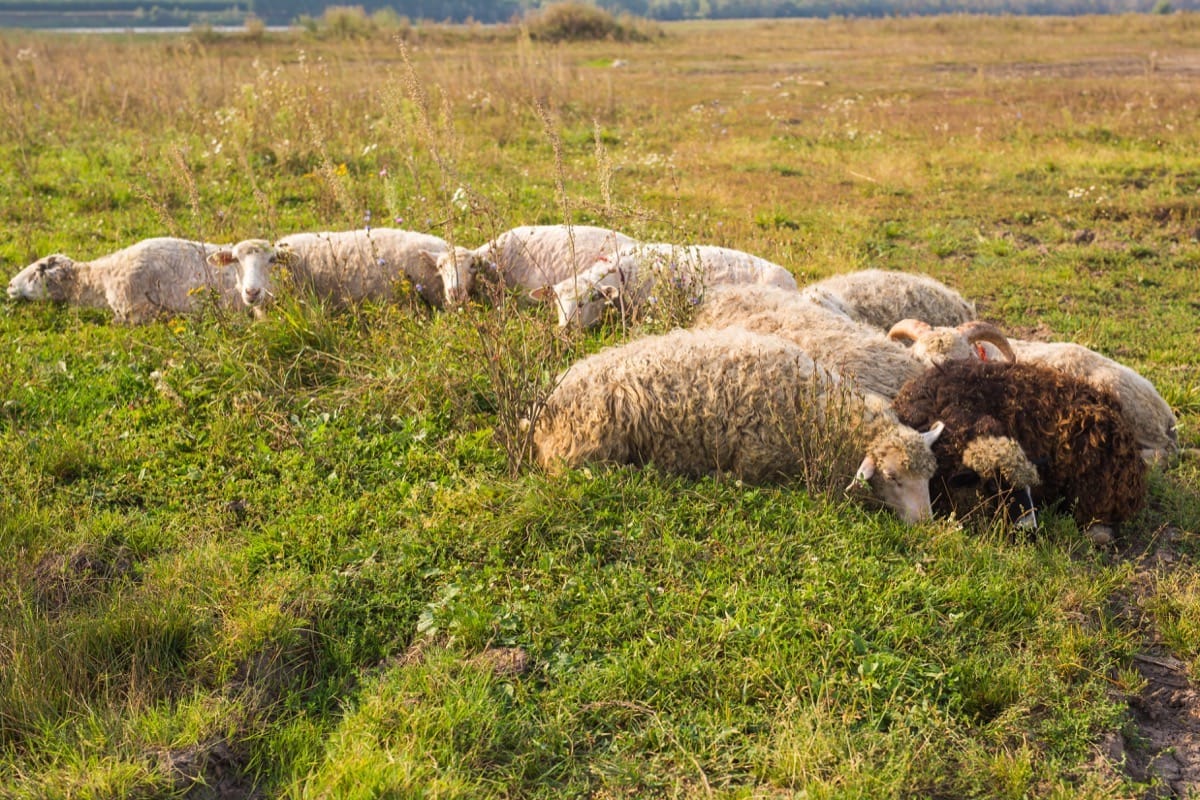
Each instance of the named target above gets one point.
<point>882,298</point>
<point>1150,416</point>
<point>630,279</point>
<point>860,352</point>
<point>341,266</point>
<point>731,402</point>
<point>527,257</point>
<point>139,283</point>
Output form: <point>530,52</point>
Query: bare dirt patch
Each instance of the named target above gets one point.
<point>212,770</point>
<point>61,580</point>
<point>1161,743</point>
<point>1081,69</point>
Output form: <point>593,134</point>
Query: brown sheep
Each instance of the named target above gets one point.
<point>1085,452</point>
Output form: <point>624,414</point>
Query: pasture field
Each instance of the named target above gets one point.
<point>305,556</point>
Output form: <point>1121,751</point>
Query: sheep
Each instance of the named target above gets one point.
<point>342,266</point>
<point>1153,422</point>
<point>882,298</point>
<point>139,283</point>
<point>628,280</point>
<point>1150,416</point>
<point>934,345</point>
<point>730,402</point>
<point>858,351</point>
<point>527,257</point>
<point>1084,452</point>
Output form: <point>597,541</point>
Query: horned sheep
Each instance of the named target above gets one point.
<point>139,283</point>
<point>341,267</point>
<point>882,298</point>
<point>729,402</point>
<point>629,279</point>
<point>858,351</point>
<point>1150,416</point>
<point>1084,452</point>
<point>527,257</point>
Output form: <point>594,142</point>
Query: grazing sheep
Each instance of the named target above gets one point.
<point>139,283</point>
<point>629,279</point>
<point>1085,453</point>
<point>882,298</point>
<point>341,267</point>
<point>860,352</point>
<point>731,402</point>
<point>527,257</point>
<point>1153,422</point>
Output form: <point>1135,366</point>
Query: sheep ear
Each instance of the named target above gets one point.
<point>935,430</point>
<point>611,293</point>
<point>221,258</point>
<point>865,470</point>
<point>543,294</point>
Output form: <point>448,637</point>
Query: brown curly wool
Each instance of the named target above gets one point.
<point>1075,434</point>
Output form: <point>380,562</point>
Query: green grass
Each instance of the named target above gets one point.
<point>285,554</point>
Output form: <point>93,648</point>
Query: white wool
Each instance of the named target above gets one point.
<point>341,266</point>
<point>139,283</point>
<point>638,271</point>
<point>882,298</point>
<point>529,256</point>
<point>730,402</point>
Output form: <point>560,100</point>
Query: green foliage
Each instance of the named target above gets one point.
<point>577,21</point>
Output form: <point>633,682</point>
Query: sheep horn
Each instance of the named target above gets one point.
<point>909,330</point>
<point>979,331</point>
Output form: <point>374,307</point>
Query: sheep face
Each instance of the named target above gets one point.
<point>936,345</point>
<point>457,268</point>
<point>581,299</point>
<point>45,279</point>
<point>253,259</point>
<point>897,469</point>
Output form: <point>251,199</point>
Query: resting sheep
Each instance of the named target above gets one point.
<point>138,283</point>
<point>1153,422</point>
<point>629,279</point>
<point>731,402</point>
<point>882,298</point>
<point>527,257</point>
<point>858,351</point>
<point>340,267</point>
<point>1084,452</point>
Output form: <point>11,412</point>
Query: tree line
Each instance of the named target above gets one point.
<point>282,12</point>
<point>507,10</point>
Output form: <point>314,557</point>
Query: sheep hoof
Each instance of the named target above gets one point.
<point>1099,535</point>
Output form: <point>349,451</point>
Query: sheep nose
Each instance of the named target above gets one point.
<point>12,291</point>
<point>252,296</point>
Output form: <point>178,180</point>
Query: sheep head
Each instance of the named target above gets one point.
<point>48,278</point>
<point>897,468</point>
<point>252,259</point>
<point>581,299</point>
<point>932,345</point>
<point>1001,463</point>
<point>457,268</point>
